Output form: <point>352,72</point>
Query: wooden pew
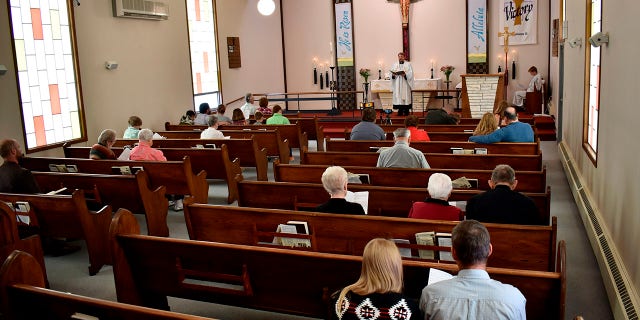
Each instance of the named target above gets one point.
<point>10,239</point>
<point>181,127</point>
<point>436,160</point>
<point>312,129</point>
<point>130,192</point>
<point>281,280</point>
<point>269,139</point>
<point>247,150</point>
<point>514,246</point>
<point>67,216</point>
<point>176,176</point>
<point>434,136</point>
<point>383,201</point>
<point>434,146</point>
<point>215,162</point>
<point>528,181</point>
<point>24,297</point>
<point>290,132</point>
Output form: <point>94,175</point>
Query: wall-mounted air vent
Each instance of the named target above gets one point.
<point>141,9</point>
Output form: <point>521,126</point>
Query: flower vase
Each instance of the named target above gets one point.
<point>447,75</point>
<point>365,95</point>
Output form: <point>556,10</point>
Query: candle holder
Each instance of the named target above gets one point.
<point>315,76</point>
<point>379,74</point>
<point>431,73</point>
<point>326,79</point>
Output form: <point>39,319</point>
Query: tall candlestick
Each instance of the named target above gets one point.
<point>321,82</point>
<point>379,74</point>
<point>326,78</point>
<point>315,76</point>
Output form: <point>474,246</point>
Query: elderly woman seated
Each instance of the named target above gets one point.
<point>436,207</point>
<point>334,180</point>
<point>102,149</point>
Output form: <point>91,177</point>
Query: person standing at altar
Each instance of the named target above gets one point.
<point>534,85</point>
<point>401,85</point>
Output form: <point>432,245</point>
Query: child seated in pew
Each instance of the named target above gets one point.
<point>135,123</point>
<point>379,287</point>
<point>259,117</point>
<point>188,118</point>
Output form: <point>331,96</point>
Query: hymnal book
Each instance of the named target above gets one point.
<point>462,205</point>
<point>22,206</point>
<point>480,150</point>
<point>61,167</point>
<point>455,150</point>
<point>136,169</point>
<point>198,146</point>
<point>290,242</point>
<point>467,151</point>
<point>72,168</point>
<point>444,240</point>
<point>157,136</point>
<point>427,239</point>
<point>358,178</point>
<point>404,252</point>
<point>301,226</point>
<point>361,197</point>
<point>398,73</point>
<point>210,145</point>
<point>121,169</point>
<point>125,154</point>
<point>436,275</point>
<point>53,168</point>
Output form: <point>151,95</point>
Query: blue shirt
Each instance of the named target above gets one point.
<point>513,132</point>
<point>472,295</point>
<point>367,131</point>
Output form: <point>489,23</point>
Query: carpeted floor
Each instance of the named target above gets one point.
<point>70,274</point>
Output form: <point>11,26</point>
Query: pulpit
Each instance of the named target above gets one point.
<point>382,88</point>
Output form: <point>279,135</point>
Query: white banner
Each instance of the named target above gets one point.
<point>477,31</point>
<point>344,35</point>
<point>521,17</point>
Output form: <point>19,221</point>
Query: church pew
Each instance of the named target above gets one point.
<point>434,136</point>
<point>290,132</point>
<point>311,128</point>
<point>280,280</point>
<point>436,160</point>
<point>514,246</point>
<point>182,127</point>
<point>247,150</point>
<point>177,176</point>
<point>528,181</point>
<point>10,238</point>
<point>67,216</point>
<point>131,192</point>
<point>215,162</point>
<point>383,201</point>
<point>434,146</point>
<point>23,296</point>
<point>271,140</point>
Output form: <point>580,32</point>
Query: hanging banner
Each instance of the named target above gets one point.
<point>521,17</point>
<point>477,31</point>
<point>344,35</point>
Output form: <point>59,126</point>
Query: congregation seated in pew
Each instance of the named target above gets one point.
<point>401,155</point>
<point>367,129</point>
<point>212,132</point>
<point>514,131</point>
<point>502,204</point>
<point>102,149</point>
<point>436,206</point>
<point>335,180</point>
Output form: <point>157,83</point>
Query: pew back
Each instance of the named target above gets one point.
<point>435,146</point>
<point>528,181</point>
<point>514,246</point>
<point>436,160</point>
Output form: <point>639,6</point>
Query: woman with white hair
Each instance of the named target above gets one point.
<point>379,288</point>
<point>102,149</point>
<point>436,206</point>
<point>334,180</point>
<point>143,150</point>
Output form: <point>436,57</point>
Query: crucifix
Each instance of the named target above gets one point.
<point>404,9</point>
<point>506,34</point>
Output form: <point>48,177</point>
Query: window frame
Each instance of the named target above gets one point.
<point>591,152</point>
<point>78,83</point>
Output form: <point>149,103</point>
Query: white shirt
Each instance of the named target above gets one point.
<point>535,84</point>
<point>248,110</point>
<point>400,86</point>
<point>211,133</point>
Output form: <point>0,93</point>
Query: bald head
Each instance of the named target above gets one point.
<point>510,114</point>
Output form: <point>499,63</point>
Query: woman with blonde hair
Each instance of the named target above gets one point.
<point>486,125</point>
<point>379,287</point>
<point>499,113</point>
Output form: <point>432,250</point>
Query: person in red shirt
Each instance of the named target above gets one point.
<point>411,123</point>
<point>436,207</point>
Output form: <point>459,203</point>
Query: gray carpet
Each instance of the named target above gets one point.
<point>69,273</point>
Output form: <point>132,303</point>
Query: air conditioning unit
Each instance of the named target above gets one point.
<point>141,9</point>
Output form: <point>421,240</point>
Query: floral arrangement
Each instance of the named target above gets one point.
<point>447,70</point>
<point>365,73</point>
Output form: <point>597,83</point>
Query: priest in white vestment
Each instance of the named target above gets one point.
<point>401,84</point>
<point>534,85</point>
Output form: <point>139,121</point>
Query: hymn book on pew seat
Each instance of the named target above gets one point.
<point>361,197</point>
<point>444,240</point>
<point>359,178</point>
<point>291,227</point>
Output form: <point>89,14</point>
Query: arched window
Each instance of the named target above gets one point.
<point>45,58</point>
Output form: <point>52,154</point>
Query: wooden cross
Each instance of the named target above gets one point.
<point>404,10</point>
<point>506,34</point>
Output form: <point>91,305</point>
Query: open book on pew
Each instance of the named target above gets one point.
<point>293,227</point>
<point>361,197</point>
<point>436,275</point>
<point>125,154</point>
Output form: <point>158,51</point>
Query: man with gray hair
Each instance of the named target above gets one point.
<point>212,132</point>
<point>436,206</point>
<point>502,204</point>
<point>334,180</point>
<point>248,108</point>
<point>401,155</point>
<point>472,294</point>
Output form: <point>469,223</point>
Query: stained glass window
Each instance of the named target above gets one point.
<point>202,42</point>
<point>592,89</point>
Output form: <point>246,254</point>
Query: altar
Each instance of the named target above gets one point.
<point>382,88</point>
